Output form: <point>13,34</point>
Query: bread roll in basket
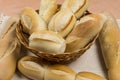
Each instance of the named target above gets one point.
<point>82,32</point>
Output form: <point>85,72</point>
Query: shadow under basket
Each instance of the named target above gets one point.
<point>61,58</point>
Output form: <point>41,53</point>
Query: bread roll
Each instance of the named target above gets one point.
<point>88,76</point>
<point>59,72</point>
<point>47,9</point>
<point>31,21</point>
<point>78,7</point>
<point>110,45</point>
<point>85,30</point>
<point>34,69</point>
<point>47,41</point>
<point>9,49</point>
<point>62,22</point>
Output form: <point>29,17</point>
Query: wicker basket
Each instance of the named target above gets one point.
<point>62,58</point>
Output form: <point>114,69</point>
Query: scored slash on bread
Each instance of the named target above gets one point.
<point>59,72</point>
<point>47,9</point>
<point>62,22</point>
<point>47,41</point>
<point>78,7</point>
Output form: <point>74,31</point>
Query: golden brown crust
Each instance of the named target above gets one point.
<point>85,30</point>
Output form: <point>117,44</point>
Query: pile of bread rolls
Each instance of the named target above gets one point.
<point>54,26</point>
<point>59,33</point>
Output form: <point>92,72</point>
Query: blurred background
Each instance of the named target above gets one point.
<point>11,7</point>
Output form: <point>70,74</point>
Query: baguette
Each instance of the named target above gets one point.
<point>78,7</point>
<point>31,21</point>
<point>110,45</point>
<point>47,9</point>
<point>62,22</point>
<point>85,30</point>
<point>9,49</point>
<point>35,69</point>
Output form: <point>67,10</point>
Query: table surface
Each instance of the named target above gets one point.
<point>11,7</point>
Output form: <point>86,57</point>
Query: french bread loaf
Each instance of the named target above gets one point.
<point>85,30</point>
<point>110,45</point>
<point>9,49</point>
